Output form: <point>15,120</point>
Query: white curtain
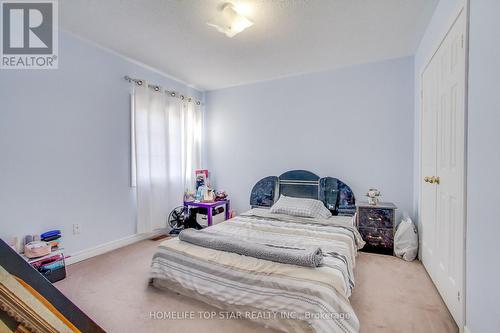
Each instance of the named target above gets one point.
<point>191,119</point>
<point>167,141</point>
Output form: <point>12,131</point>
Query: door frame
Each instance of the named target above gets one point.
<point>463,8</point>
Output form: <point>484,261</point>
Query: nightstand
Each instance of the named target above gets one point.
<point>209,206</point>
<point>376,224</point>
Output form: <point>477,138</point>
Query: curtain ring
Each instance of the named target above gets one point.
<point>156,88</point>
<point>139,82</point>
<point>198,103</point>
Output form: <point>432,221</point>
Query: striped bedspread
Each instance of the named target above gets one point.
<point>292,298</point>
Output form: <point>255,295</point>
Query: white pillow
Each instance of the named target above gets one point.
<point>300,207</point>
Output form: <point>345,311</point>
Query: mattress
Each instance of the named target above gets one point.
<point>286,297</point>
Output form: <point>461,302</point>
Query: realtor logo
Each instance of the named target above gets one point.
<point>29,34</point>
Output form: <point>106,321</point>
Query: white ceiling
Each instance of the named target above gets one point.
<point>289,36</point>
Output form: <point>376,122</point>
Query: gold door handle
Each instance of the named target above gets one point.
<point>432,180</point>
<point>435,180</point>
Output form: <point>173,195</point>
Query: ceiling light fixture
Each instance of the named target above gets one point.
<point>229,21</point>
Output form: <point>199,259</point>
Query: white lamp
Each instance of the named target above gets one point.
<point>229,21</point>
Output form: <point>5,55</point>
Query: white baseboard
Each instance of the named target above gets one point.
<point>110,246</point>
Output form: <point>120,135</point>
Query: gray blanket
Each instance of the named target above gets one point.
<point>309,257</point>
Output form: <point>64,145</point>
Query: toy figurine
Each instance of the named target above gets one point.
<point>373,196</point>
<point>220,195</point>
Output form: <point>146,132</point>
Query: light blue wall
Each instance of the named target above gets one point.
<point>64,143</point>
<point>483,209</point>
<point>354,123</point>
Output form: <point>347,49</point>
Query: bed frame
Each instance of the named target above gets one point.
<point>335,194</point>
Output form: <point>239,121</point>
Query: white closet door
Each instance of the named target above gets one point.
<point>428,226</point>
<point>443,157</point>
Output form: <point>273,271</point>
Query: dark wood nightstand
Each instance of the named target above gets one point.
<point>376,224</point>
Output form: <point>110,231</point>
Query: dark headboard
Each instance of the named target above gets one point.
<point>335,194</point>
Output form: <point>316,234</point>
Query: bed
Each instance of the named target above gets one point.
<point>285,297</point>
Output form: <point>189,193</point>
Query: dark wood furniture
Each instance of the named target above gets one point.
<point>376,224</point>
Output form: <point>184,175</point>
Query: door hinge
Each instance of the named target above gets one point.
<point>458,296</point>
<point>462,41</point>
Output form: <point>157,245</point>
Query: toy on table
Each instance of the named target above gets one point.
<point>209,195</point>
<point>373,196</point>
<point>189,195</point>
<point>220,195</point>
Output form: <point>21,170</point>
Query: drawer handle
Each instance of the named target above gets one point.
<point>375,237</point>
<point>374,218</point>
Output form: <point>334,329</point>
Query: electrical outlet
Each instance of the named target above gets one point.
<point>76,229</point>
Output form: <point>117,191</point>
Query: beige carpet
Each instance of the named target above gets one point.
<point>390,296</point>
